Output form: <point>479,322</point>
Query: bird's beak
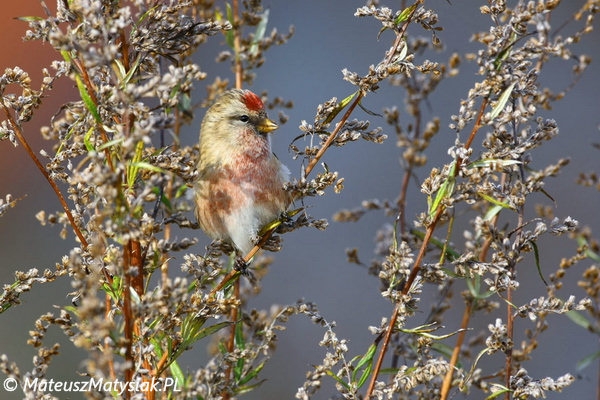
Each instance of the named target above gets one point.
<point>266,125</point>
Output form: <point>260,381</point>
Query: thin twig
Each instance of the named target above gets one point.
<point>462,333</point>
<point>313,162</point>
<point>445,391</point>
<point>509,290</point>
<point>128,315</point>
<point>394,318</point>
<point>19,134</point>
<point>92,93</point>
<point>417,264</point>
<point>237,44</point>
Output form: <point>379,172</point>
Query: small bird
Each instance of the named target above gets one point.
<point>240,186</point>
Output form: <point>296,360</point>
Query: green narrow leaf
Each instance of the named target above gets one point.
<point>494,201</point>
<point>503,55</point>
<point>29,18</point>
<point>536,255</point>
<point>579,319</point>
<point>148,166</point>
<point>445,191</point>
<point>126,76</point>
<point>498,393</point>
<point>87,99</point>
<point>490,162</point>
<point>86,140</point>
<point>110,143</point>
<point>66,56</point>
<point>368,356</point>
<point>202,333</point>
<point>177,372</point>
<point>588,360</point>
<point>341,105</point>
<point>133,167</point>
<point>474,286</point>
<point>582,241</point>
<point>119,68</point>
<point>502,101</point>
<point>181,191</point>
<point>248,388</point>
<point>240,343</point>
<point>186,104</point>
<point>114,290</point>
<point>365,375</point>
<point>443,349</point>
<point>191,331</point>
<point>492,212</point>
<point>259,34</point>
<point>253,373</point>
<point>144,15</point>
<point>229,33</point>
<point>451,254</point>
<point>222,348</point>
<point>337,379</point>
<point>365,364</point>
<point>405,14</point>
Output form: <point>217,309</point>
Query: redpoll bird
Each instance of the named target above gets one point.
<point>240,181</point>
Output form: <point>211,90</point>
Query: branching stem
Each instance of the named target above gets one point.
<point>63,202</point>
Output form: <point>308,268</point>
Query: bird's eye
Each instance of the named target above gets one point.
<point>244,118</point>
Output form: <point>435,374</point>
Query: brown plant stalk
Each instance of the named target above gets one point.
<point>418,261</point>
<point>21,138</point>
<point>446,384</point>
<point>92,93</point>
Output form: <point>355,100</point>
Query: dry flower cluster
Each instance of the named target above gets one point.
<point>116,150</point>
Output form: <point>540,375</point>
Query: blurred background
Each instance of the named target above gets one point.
<point>312,265</point>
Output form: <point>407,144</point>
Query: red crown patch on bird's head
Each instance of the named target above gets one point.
<point>252,101</point>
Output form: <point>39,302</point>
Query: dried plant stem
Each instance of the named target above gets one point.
<point>509,312</point>
<point>464,325</point>
<point>160,365</point>
<point>510,334</point>
<point>408,172</point>
<point>394,318</point>
<point>237,40</point>
<point>313,162</point>
<point>128,316</point>
<point>124,45</point>
<point>475,129</point>
<point>21,138</point>
<point>233,317</point>
<point>445,391</point>
<point>402,200</point>
<point>417,264</point>
<point>92,93</point>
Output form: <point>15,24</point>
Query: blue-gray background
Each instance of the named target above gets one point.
<point>312,265</point>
